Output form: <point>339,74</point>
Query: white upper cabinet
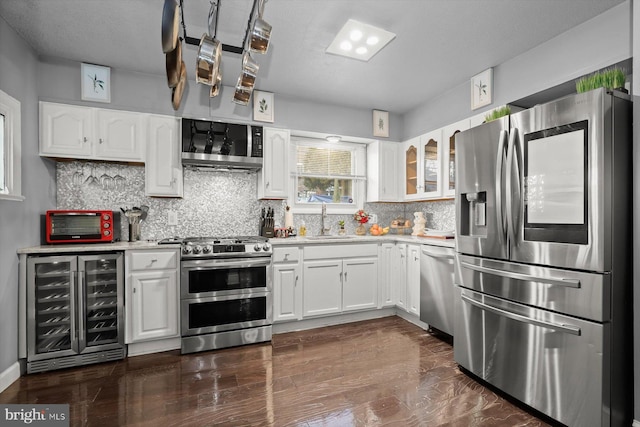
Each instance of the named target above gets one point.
<point>410,161</point>
<point>66,130</point>
<point>449,156</point>
<point>430,173</point>
<point>121,135</point>
<point>91,133</point>
<point>382,171</point>
<point>273,179</point>
<point>163,168</point>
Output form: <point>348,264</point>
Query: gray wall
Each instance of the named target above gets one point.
<point>595,44</point>
<point>19,220</point>
<point>148,93</point>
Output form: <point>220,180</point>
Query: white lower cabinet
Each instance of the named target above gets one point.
<point>322,287</point>
<point>334,281</point>
<point>152,295</point>
<point>399,268</point>
<point>359,283</point>
<point>287,284</point>
<point>386,275</point>
<point>413,279</point>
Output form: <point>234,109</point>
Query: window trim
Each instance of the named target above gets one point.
<point>10,109</point>
<point>359,151</point>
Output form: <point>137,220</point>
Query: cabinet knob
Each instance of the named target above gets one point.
<point>296,284</point>
<point>266,184</point>
<point>345,276</point>
<point>134,290</point>
<point>84,139</point>
<point>100,140</point>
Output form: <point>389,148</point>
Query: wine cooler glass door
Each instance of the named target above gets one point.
<point>51,307</point>
<point>100,296</point>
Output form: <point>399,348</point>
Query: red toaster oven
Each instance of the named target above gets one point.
<point>81,226</point>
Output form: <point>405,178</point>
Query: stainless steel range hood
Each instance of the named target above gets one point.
<point>220,161</point>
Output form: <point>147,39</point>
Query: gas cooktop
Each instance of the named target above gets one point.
<point>209,247</point>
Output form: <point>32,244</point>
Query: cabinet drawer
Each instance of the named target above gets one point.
<point>153,260</point>
<point>290,254</point>
<point>340,251</point>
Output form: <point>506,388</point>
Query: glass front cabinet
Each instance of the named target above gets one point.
<point>430,163</point>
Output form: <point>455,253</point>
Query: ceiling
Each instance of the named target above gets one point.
<point>439,44</point>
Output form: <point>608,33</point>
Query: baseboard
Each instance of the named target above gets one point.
<point>413,319</point>
<point>9,376</point>
<point>156,346</point>
<point>319,322</point>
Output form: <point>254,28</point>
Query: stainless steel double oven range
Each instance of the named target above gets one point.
<point>225,292</point>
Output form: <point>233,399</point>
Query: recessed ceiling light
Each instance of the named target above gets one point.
<point>346,46</point>
<point>333,138</point>
<point>360,39</point>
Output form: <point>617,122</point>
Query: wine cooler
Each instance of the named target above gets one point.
<point>74,310</point>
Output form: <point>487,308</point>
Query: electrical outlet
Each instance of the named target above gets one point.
<point>172,217</point>
<point>373,218</point>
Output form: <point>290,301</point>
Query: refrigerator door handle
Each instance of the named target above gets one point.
<point>498,185</point>
<point>569,329</point>
<point>571,283</point>
<point>512,161</point>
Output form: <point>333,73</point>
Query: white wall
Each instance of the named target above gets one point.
<point>595,44</point>
<point>19,221</point>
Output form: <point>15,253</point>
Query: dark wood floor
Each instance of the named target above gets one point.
<point>378,372</point>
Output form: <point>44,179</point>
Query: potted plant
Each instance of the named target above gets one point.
<point>613,78</point>
<point>362,218</point>
<point>341,230</point>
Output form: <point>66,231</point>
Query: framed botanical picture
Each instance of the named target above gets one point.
<point>263,108</point>
<point>96,83</point>
<point>482,89</point>
<point>381,123</point>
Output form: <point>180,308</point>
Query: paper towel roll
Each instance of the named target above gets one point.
<point>288,218</point>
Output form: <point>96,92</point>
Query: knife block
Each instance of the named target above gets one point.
<point>266,228</point>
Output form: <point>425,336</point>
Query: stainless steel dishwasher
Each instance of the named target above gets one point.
<point>436,287</point>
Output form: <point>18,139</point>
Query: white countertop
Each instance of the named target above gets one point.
<point>95,247</point>
<point>387,238</point>
<point>298,241</point>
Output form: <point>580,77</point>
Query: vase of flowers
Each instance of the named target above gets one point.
<point>362,218</point>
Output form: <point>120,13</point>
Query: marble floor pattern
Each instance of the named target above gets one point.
<point>377,372</point>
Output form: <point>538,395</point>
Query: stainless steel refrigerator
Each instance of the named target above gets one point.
<point>74,310</point>
<point>543,262</point>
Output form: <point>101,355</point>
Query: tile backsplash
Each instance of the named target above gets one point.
<point>215,203</point>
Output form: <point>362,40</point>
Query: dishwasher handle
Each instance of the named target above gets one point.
<point>449,256</point>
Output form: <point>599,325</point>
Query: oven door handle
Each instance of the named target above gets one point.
<point>569,329</point>
<point>212,264</point>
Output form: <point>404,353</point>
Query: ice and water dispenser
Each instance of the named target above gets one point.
<point>474,214</point>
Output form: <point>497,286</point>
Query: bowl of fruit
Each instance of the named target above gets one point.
<point>376,230</point>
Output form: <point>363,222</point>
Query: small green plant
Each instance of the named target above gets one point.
<point>613,79</point>
<point>497,113</point>
<point>341,223</point>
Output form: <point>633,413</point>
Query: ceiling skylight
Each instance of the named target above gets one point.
<point>359,41</point>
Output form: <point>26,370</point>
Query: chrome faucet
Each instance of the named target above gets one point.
<point>324,231</point>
